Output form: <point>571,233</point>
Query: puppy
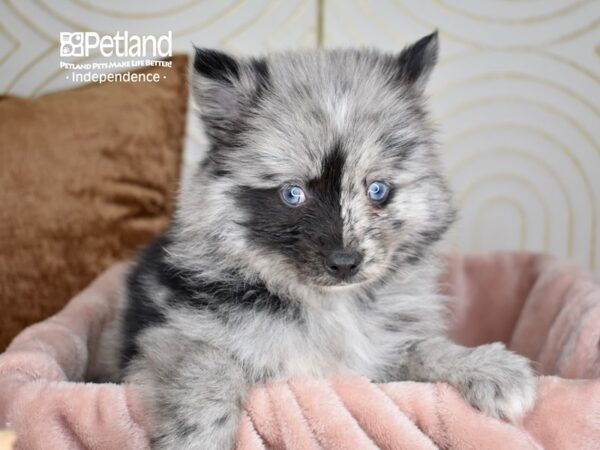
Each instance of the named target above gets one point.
<point>305,245</point>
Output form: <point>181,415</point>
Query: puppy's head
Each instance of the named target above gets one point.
<point>321,168</point>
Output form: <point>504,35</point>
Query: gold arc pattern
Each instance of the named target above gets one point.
<point>486,101</point>
<point>498,177</point>
<point>575,5</point>
<point>320,25</point>
<point>591,257</point>
<point>560,39</point>
<point>517,76</point>
<point>461,164</point>
<point>499,199</point>
<point>224,42</point>
<point>296,13</point>
<point>186,6</point>
<point>211,20</point>
<point>14,41</point>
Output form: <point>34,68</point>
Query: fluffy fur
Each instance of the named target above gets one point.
<point>236,292</point>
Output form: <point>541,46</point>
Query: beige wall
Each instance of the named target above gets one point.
<point>516,93</point>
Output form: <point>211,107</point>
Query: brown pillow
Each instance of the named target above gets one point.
<point>86,177</point>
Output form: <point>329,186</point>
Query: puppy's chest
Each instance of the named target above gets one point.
<point>321,344</point>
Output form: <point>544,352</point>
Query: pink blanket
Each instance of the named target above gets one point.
<point>546,309</point>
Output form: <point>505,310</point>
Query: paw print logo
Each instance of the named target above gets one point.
<point>72,44</point>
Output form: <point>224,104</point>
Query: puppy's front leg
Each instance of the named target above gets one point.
<point>194,392</point>
<point>493,379</point>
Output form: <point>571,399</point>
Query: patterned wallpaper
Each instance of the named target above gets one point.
<point>516,93</point>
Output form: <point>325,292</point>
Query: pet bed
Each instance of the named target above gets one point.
<point>546,309</point>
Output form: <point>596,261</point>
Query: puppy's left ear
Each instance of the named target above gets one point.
<point>416,61</point>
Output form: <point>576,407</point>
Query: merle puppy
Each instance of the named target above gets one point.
<point>305,244</point>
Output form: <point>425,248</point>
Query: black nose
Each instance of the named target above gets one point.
<point>343,263</point>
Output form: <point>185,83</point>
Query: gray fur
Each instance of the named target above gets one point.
<point>229,311</point>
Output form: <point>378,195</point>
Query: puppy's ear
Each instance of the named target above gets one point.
<point>415,62</point>
<point>216,65</point>
<point>225,89</point>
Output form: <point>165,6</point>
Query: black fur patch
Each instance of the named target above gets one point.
<point>216,65</point>
<point>140,312</point>
<point>217,296</point>
<point>304,233</point>
<point>221,296</point>
<point>225,297</point>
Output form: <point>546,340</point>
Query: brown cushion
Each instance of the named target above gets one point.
<point>86,177</point>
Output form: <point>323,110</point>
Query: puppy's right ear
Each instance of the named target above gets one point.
<point>217,91</point>
<point>216,65</point>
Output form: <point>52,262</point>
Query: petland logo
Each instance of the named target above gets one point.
<point>123,51</point>
<point>122,44</point>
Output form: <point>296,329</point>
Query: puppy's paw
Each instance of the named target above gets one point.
<point>498,382</point>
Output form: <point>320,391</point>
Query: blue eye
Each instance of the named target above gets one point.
<point>378,191</point>
<point>293,195</point>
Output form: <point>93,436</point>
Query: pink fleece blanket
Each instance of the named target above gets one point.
<point>546,309</point>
